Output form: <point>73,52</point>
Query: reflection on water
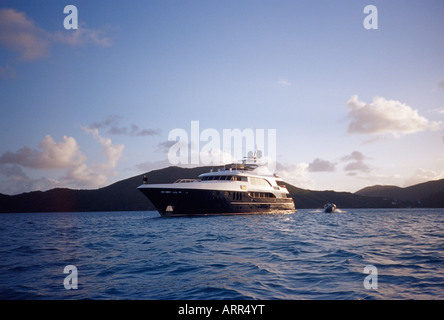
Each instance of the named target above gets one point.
<point>304,255</point>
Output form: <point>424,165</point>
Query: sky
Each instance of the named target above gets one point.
<point>355,97</point>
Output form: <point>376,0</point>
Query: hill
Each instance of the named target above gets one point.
<point>316,199</point>
<point>124,196</point>
<point>427,194</point>
<point>120,196</point>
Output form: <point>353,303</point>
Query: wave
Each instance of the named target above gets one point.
<point>303,255</point>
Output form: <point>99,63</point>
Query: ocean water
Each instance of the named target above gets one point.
<point>303,255</point>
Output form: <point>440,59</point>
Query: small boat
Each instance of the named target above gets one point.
<point>329,207</point>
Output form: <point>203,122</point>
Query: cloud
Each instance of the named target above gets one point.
<point>135,131</point>
<point>112,152</point>
<point>83,36</point>
<point>357,166</point>
<point>83,176</point>
<point>355,155</point>
<point>439,110</point>
<point>22,35</point>
<point>284,83</point>
<point>50,155</point>
<point>181,152</point>
<point>319,165</point>
<point>355,163</point>
<point>386,117</point>
<point>112,124</point>
<point>296,174</point>
<point>423,175</point>
<point>15,180</point>
<point>164,147</point>
<point>55,156</point>
<point>109,121</point>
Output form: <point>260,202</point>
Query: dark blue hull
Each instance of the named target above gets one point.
<point>174,202</point>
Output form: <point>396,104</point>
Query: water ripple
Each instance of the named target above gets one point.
<point>304,255</point>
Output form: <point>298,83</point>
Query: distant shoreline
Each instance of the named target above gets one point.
<point>124,196</point>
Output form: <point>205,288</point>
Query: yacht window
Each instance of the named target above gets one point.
<point>281,183</point>
<point>261,195</point>
<point>259,182</point>
<point>239,178</point>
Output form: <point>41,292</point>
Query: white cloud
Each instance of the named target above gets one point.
<point>51,155</point>
<point>83,176</point>
<point>207,157</point>
<point>83,36</point>
<point>112,152</point>
<point>14,180</point>
<point>296,174</point>
<point>20,34</point>
<point>55,156</point>
<point>215,156</point>
<point>60,155</point>
<point>284,83</point>
<point>423,175</point>
<point>386,117</point>
<point>439,110</point>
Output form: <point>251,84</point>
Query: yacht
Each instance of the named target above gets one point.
<point>232,189</point>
